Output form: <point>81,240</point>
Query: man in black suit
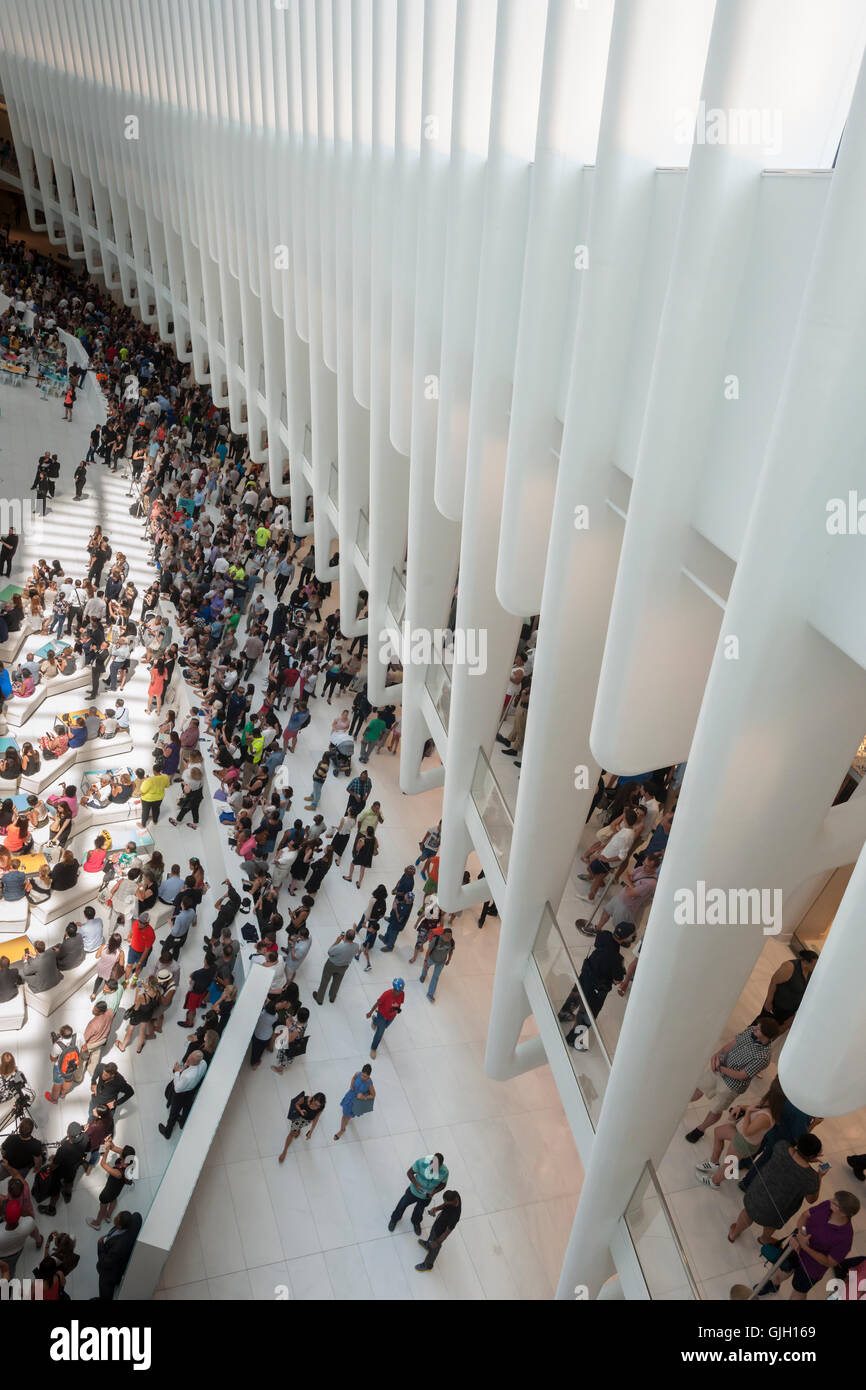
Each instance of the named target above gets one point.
<point>114,1250</point>
<point>8,546</point>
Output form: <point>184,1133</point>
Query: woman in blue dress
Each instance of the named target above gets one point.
<point>361,1088</point>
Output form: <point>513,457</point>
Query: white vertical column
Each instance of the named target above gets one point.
<point>781,719</point>
<point>647,78</point>
<point>434,539</point>
<point>477,696</point>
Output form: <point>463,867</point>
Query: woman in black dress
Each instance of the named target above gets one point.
<point>318,871</point>
<point>118,1178</point>
<point>147,1002</point>
<point>362,855</point>
<point>301,866</point>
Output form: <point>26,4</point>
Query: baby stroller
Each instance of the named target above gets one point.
<point>342,751</point>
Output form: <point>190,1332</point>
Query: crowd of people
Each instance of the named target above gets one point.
<point>219,540</point>
<point>237,611</point>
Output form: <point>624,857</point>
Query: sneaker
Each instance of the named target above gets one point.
<point>373,1053</point>
<point>424,1269</point>
<point>707,1181</point>
<point>708,1166</point>
<point>417,1230</point>
<point>694,1135</point>
<point>49,1097</point>
<point>392,1225</point>
<point>425,1244</point>
<point>585,878</point>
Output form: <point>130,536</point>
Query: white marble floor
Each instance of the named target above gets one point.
<point>315,1227</point>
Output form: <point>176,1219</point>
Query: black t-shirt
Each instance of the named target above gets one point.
<point>69,1156</point>
<point>446,1220</point>
<point>21,1153</point>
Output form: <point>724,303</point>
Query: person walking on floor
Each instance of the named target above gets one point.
<point>304,1110</point>
<point>358,1100</point>
<point>447,1215</point>
<point>440,950</point>
<point>340,957</point>
<point>427,1176</point>
<point>386,1009</point>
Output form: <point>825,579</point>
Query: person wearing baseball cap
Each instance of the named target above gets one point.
<point>141,938</point>
<point>386,1009</point>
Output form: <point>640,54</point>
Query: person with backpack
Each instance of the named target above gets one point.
<point>65,1057</point>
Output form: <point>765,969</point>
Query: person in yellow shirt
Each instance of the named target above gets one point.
<point>153,790</point>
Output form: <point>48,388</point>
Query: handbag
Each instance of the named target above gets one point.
<point>362,1106</point>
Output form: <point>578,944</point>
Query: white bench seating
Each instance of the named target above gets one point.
<point>13,917</point>
<point>19,711</point>
<point>72,980</point>
<point>91,752</point>
<point>13,1015</point>
<point>14,642</point>
<point>67,904</point>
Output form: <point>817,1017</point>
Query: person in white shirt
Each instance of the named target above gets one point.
<point>95,607</point>
<point>183,1086</point>
<point>121,714</point>
<point>615,853</point>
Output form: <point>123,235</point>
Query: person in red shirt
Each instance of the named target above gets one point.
<point>141,939</point>
<point>386,1009</point>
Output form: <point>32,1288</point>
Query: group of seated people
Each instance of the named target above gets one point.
<point>75,731</point>
<point>34,669</point>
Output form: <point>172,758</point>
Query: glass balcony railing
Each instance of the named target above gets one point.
<point>334,485</point>
<point>660,1252</point>
<point>581,1037</point>
<point>308,445</point>
<point>493,810</point>
<point>397,598</point>
<point>362,537</point>
<point>438,682</point>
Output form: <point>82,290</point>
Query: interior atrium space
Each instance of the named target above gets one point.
<point>433,526</point>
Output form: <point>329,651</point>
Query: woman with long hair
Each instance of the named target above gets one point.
<point>118,1178</point>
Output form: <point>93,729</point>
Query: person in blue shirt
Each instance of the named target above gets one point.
<point>14,883</point>
<point>77,734</point>
<point>5,678</point>
<point>401,909</point>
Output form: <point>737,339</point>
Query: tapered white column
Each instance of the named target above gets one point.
<point>783,706</point>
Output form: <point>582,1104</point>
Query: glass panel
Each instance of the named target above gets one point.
<point>308,445</point>
<point>493,810</point>
<point>363,536</point>
<point>659,1250</point>
<point>397,598</point>
<point>438,682</point>
<point>334,485</point>
<point>589,1058</point>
